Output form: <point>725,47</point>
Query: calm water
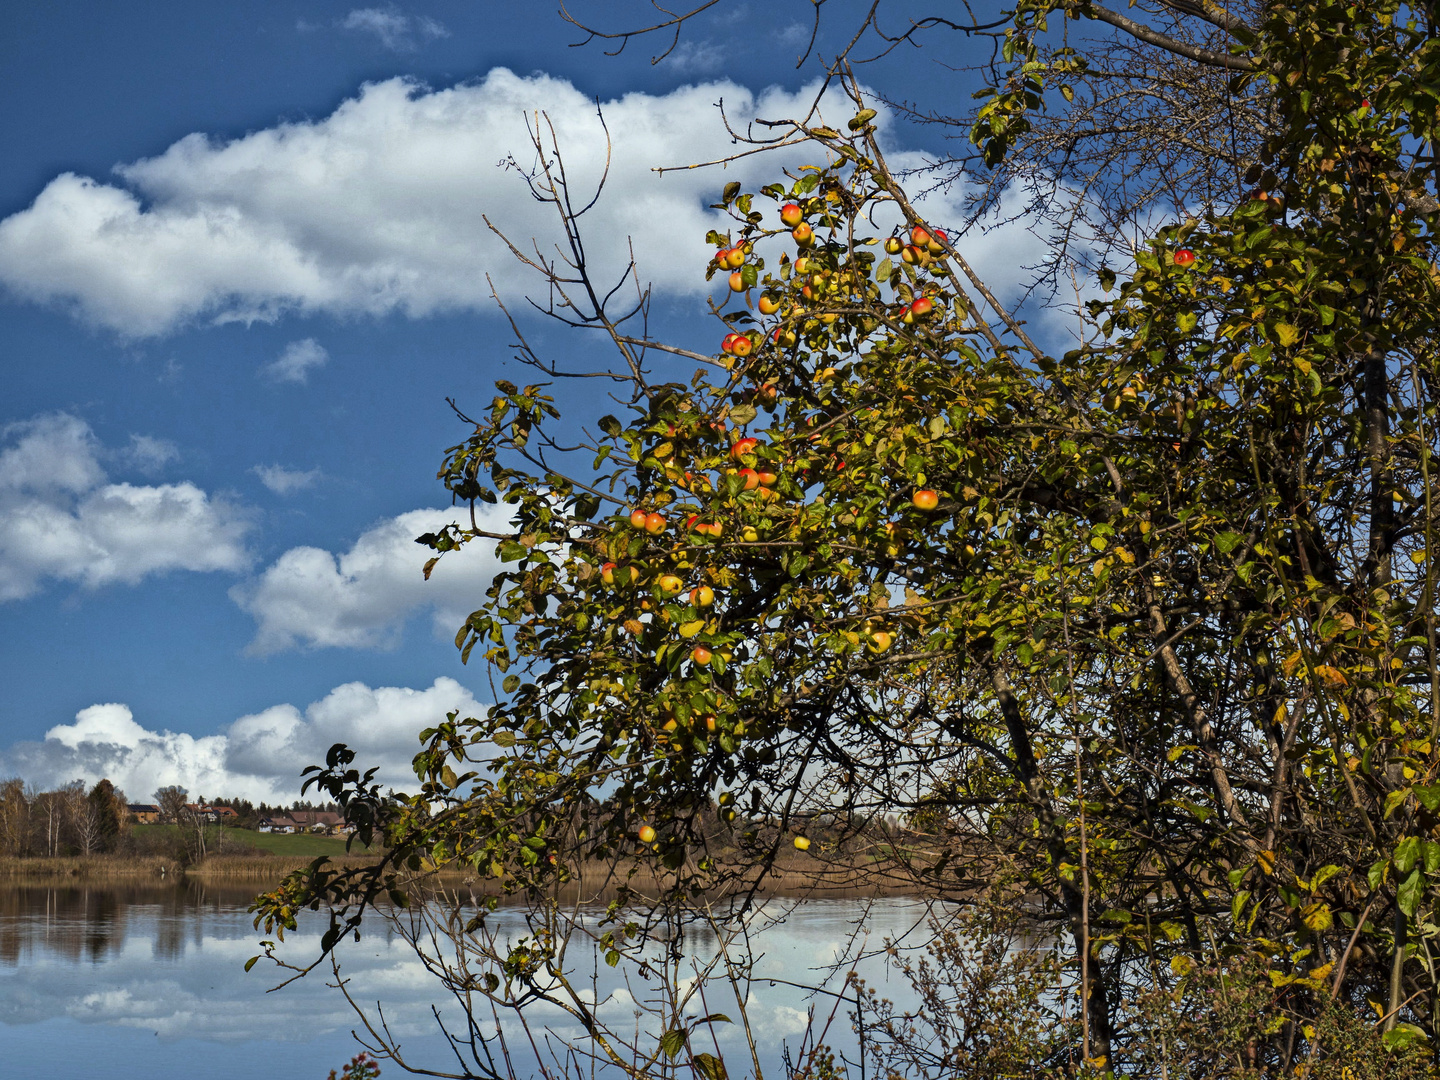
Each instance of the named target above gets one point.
<point>147,983</point>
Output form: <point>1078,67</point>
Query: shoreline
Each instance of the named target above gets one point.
<point>796,877</point>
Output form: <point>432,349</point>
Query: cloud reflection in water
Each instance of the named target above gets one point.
<point>147,979</point>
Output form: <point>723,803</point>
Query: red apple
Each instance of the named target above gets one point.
<point>937,242</point>
<point>637,519</point>
<point>926,499</point>
<point>691,521</point>
<point>922,307</point>
<point>1184,257</point>
<point>803,234</point>
<point>751,478</point>
<point>742,346</point>
<point>791,215</point>
<point>920,236</point>
<point>654,524</point>
<point>912,255</point>
<point>709,723</point>
<point>701,655</point>
<point>743,446</point>
<point>735,257</point>
<point>607,573</point>
<point>728,345</point>
<point>768,479</point>
<point>784,337</point>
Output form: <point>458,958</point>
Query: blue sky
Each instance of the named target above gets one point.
<point>242,265</point>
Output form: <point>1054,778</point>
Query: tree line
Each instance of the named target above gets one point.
<point>75,820</point>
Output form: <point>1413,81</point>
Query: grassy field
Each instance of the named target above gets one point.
<point>290,845</point>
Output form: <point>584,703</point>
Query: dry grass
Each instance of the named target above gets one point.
<point>795,876</point>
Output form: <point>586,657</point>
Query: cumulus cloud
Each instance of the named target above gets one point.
<point>59,518</point>
<point>296,362</point>
<point>379,207</point>
<point>395,30</point>
<point>283,481</point>
<point>256,757</point>
<point>361,598</point>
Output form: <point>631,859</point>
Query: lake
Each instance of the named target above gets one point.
<point>147,983</point>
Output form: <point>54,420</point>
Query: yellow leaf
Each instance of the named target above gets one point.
<point>1287,333</point>
<point>1331,678</point>
<point>1266,861</point>
<point>690,629</point>
<point>1316,916</point>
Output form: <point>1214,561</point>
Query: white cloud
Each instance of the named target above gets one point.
<point>395,29</point>
<point>378,207</point>
<point>695,58</point>
<point>148,454</point>
<point>60,519</point>
<point>362,597</point>
<point>296,362</point>
<point>283,481</point>
<point>256,757</point>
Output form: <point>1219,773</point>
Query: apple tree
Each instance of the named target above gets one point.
<point>1142,632</point>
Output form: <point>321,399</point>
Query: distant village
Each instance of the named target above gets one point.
<point>294,820</point>
<point>77,819</point>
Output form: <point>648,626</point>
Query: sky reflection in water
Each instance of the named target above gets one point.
<point>148,983</point>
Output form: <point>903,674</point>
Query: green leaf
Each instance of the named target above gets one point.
<point>511,684</point>
<point>503,738</point>
<point>251,962</point>
<point>1394,799</point>
<point>610,426</point>
<point>1227,542</point>
<point>1407,852</point>
<point>1402,1036</point>
<point>1237,905</point>
<point>1410,891</point>
<point>1377,872</point>
<point>1429,795</point>
<point>711,1067</point>
<point>512,551</point>
<point>672,1042</point>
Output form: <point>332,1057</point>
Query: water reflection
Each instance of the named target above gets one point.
<point>90,923</point>
<point>150,980</point>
